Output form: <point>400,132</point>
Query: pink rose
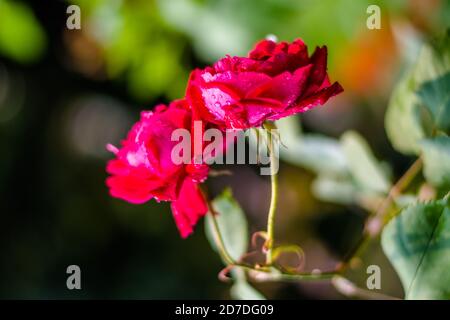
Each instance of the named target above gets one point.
<point>275,80</point>
<point>143,168</point>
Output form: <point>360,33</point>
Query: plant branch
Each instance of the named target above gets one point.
<point>259,273</point>
<point>376,221</point>
<point>269,272</point>
<point>219,239</point>
<point>349,289</point>
<point>273,200</point>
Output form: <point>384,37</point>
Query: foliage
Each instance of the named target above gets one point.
<point>417,122</point>
<point>233,229</point>
<point>136,44</point>
<point>417,244</point>
<point>21,36</point>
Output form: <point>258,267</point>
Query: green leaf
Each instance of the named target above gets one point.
<point>21,36</point>
<point>314,152</point>
<point>436,157</point>
<point>403,121</point>
<point>242,290</point>
<point>433,61</point>
<point>405,200</point>
<point>435,94</point>
<point>417,243</point>
<point>233,228</point>
<point>335,189</point>
<point>432,80</point>
<point>363,166</point>
<point>232,224</point>
<point>424,87</point>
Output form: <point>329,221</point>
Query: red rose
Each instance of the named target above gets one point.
<point>143,168</point>
<point>274,81</point>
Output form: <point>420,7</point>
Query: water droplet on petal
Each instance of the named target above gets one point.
<point>272,37</point>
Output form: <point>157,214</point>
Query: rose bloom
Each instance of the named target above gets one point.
<point>275,80</point>
<point>143,168</point>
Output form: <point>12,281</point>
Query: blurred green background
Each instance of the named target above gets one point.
<point>65,93</point>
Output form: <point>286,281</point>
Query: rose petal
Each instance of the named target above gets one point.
<point>313,101</point>
<point>188,208</point>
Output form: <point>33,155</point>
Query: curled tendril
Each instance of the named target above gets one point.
<point>278,251</point>
<point>260,234</point>
<point>224,274</point>
<point>246,256</point>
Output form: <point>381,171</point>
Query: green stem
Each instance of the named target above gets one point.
<point>378,218</point>
<point>267,271</point>
<point>349,289</point>
<point>220,243</point>
<point>273,202</point>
